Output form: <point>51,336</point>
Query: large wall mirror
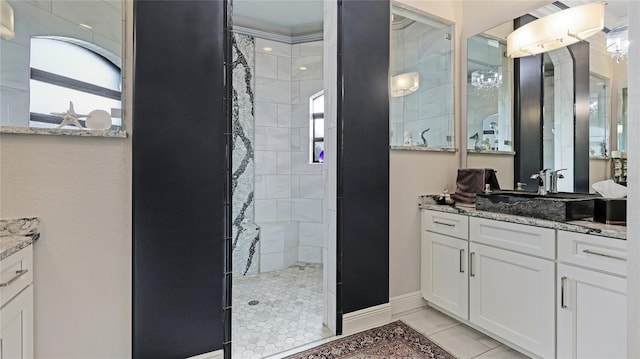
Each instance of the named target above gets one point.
<point>62,67</point>
<point>421,82</point>
<point>589,78</point>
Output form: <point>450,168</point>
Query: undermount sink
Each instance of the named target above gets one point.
<point>559,207</point>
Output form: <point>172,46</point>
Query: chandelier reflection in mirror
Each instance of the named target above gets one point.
<point>487,80</point>
<point>618,42</point>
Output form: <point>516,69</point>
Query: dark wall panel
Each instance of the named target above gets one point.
<point>363,154</point>
<point>580,54</point>
<point>178,178</point>
<point>528,82</point>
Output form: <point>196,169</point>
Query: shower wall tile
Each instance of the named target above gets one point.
<point>291,256</point>
<point>291,234</point>
<point>272,139</point>
<point>284,163</point>
<point>295,140</point>
<point>271,238</point>
<point>295,186</point>
<point>311,48</point>
<point>306,68</point>
<point>266,162</point>
<point>307,210</point>
<point>284,115</point>
<point>300,164</point>
<point>305,90</point>
<point>312,234</point>
<point>278,48</point>
<point>283,212</point>
<point>271,261</point>
<point>266,66</point>
<point>266,114</point>
<point>311,186</point>
<point>300,115</point>
<point>270,90</point>
<point>310,254</point>
<point>284,68</point>
<point>272,186</point>
<point>266,211</point>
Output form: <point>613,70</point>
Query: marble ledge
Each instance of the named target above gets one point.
<point>62,132</point>
<point>16,234</point>
<point>423,148</point>
<point>580,226</point>
<point>492,152</point>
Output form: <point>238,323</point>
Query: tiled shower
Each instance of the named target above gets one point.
<point>278,194</point>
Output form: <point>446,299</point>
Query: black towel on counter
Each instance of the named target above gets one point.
<point>471,181</point>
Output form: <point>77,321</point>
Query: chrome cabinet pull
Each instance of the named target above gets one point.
<point>461,260</point>
<point>471,274</point>
<point>19,273</point>
<point>563,280</point>
<point>444,224</point>
<point>588,251</point>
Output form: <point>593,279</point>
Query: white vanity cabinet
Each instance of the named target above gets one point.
<point>16,305</point>
<point>592,301</point>
<point>444,248</point>
<point>512,293</point>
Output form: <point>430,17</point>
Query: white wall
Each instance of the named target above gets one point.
<point>81,189</point>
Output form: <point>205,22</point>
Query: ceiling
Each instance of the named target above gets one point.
<point>282,17</point>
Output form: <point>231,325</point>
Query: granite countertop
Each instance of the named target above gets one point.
<point>16,234</point>
<point>585,226</point>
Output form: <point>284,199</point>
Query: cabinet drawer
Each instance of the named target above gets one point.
<point>449,224</point>
<point>16,273</point>
<point>595,252</point>
<point>516,237</point>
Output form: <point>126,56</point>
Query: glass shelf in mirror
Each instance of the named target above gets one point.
<point>62,70</point>
<point>421,78</point>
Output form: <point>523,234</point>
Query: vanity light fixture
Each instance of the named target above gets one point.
<point>557,30</point>
<point>404,84</point>
<point>7,31</point>
<point>618,42</point>
<point>267,49</point>
<point>302,68</point>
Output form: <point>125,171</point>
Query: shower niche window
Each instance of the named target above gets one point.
<point>421,81</point>
<point>316,127</point>
<point>489,115</point>
<point>598,116</point>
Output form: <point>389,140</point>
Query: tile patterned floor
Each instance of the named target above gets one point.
<point>288,315</point>
<point>458,339</point>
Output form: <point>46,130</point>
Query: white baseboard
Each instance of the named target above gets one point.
<point>218,354</point>
<point>407,302</point>
<point>366,318</point>
<point>381,314</point>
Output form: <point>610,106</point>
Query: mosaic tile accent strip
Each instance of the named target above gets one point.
<point>246,233</point>
<point>288,313</point>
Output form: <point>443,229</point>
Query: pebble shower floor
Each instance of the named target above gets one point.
<point>288,313</point>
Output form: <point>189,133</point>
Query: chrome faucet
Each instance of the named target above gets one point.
<point>553,178</point>
<point>541,176</point>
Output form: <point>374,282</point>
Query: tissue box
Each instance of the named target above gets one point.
<point>610,211</point>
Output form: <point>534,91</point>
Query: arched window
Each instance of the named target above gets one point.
<point>67,70</point>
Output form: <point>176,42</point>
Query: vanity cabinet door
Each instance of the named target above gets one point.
<point>16,326</point>
<point>444,280</point>
<point>592,314</point>
<point>512,296</point>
